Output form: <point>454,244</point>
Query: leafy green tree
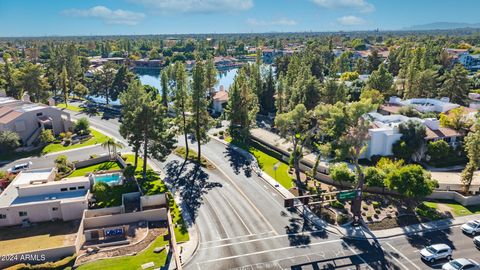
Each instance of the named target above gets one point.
<point>381,80</point>
<point>438,150</point>
<point>102,82</point>
<point>63,81</point>
<point>456,119</point>
<point>201,120</point>
<point>210,76</point>
<point>333,92</point>
<point>424,84</point>
<point>374,61</point>
<point>181,100</point>
<point>46,136</point>
<point>374,95</point>
<point>30,79</point>
<point>411,181</point>
<point>80,90</point>
<point>412,140</point>
<point>266,97</point>
<point>340,172</point>
<point>9,140</point>
<point>472,148</point>
<point>374,177</point>
<point>242,107</point>
<point>349,76</point>
<point>112,145</point>
<point>10,88</point>
<point>82,126</point>
<point>165,90</point>
<point>456,85</point>
<point>73,67</point>
<point>296,127</point>
<point>120,82</point>
<point>131,125</point>
<point>281,96</point>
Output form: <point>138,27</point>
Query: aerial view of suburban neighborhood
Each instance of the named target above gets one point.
<point>240,134</point>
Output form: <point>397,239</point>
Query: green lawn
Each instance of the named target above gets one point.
<point>70,107</point>
<point>267,162</point>
<point>132,262</point>
<point>456,208</point>
<point>97,138</point>
<point>104,166</point>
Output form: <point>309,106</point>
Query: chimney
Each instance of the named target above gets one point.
<point>432,123</point>
<point>445,99</point>
<point>26,97</point>
<point>51,102</point>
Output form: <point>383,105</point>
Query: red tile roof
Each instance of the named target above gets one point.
<point>390,108</point>
<point>221,95</point>
<point>442,132</point>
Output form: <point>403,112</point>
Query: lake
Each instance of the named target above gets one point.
<point>152,77</point>
<point>148,76</point>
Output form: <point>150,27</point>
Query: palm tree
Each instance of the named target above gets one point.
<point>112,144</point>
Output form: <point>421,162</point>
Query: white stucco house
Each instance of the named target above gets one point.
<point>35,196</point>
<point>384,132</point>
<point>28,119</point>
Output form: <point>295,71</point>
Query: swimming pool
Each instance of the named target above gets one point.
<point>109,179</point>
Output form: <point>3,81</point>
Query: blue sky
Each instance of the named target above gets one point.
<point>111,17</point>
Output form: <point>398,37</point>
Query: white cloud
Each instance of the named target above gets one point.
<point>360,5</point>
<point>350,20</point>
<point>196,6</point>
<point>118,16</point>
<point>278,22</point>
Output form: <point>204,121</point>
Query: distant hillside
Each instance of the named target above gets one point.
<point>442,26</point>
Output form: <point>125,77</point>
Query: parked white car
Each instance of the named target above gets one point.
<point>461,264</point>
<point>476,241</point>
<point>20,167</point>
<point>436,252</point>
<point>472,227</point>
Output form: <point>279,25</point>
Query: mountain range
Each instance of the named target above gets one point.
<point>442,26</point>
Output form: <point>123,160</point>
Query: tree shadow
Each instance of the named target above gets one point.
<point>238,162</point>
<point>370,251</point>
<point>191,181</point>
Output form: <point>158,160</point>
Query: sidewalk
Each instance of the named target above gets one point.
<point>351,231</point>
<point>188,248</point>
<point>364,233</point>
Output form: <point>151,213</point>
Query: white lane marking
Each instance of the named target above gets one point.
<point>234,238</point>
<point>236,213</point>
<point>216,213</point>
<point>260,239</point>
<point>360,257</point>
<point>403,256</point>
<point>207,213</point>
<point>243,194</point>
<point>271,250</point>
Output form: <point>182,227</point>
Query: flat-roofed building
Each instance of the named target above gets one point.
<point>28,119</point>
<point>35,196</point>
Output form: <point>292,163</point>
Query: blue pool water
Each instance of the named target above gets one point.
<point>109,179</point>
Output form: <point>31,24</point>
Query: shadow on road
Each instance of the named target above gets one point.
<point>238,162</point>
<point>370,252</point>
<point>191,181</point>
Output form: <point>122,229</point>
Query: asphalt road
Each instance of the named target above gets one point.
<point>243,224</point>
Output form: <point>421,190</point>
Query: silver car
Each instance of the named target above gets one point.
<point>20,167</point>
<point>436,252</point>
<point>461,264</point>
<point>471,227</point>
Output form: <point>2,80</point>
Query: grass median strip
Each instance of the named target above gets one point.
<point>268,161</point>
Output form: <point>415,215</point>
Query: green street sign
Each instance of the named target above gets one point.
<point>346,195</point>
